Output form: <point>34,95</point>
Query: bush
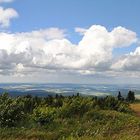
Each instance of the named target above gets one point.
<point>44,115</point>
<point>77,107</point>
<point>11,112</point>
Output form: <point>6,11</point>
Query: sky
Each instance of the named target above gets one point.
<point>75,41</point>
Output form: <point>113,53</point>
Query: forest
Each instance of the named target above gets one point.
<point>68,117</point>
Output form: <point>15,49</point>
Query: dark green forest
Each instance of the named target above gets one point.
<point>68,118</point>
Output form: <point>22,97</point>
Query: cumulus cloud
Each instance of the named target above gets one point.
<point>122,37</point>
<point>81,31</point>
<point>48,34</point>
<point>129,62</point>
<point>6,15</point>
<point>98,43</point>
<point>49,50</point>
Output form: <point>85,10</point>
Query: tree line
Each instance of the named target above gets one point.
<point>129,98</point>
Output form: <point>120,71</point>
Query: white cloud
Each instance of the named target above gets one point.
<point>122,37</point>
<point>97,44</point>
<point>81,31</point>
<point>6,15</point>
<point>6,1</point>
<point>129,62</point>
<point>49,51</point>
<point>48,34</point>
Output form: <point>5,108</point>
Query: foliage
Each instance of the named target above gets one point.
<point>44,115</point>
<point>131,96</point>
<point>11,111</point>
<point>67,118</point>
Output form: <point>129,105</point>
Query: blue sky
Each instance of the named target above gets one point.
<point>68,14</point>
<point>58,19</point>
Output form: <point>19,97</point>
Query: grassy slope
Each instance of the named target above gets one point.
<point>136,108</point>
<point>86,120</point>
<point>96,125</point>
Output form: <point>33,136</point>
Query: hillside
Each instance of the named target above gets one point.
<point>136,108</point>
<point>67,118</point>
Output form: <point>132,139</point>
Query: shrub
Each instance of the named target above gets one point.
<point>11,112</point>
<point>44,115</point>
<point>77,107</point>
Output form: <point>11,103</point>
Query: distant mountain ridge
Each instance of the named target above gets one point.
<point>43,90</point>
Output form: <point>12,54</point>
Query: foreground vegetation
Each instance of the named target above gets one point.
<point>67,118</point>
<point>136,108</point>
